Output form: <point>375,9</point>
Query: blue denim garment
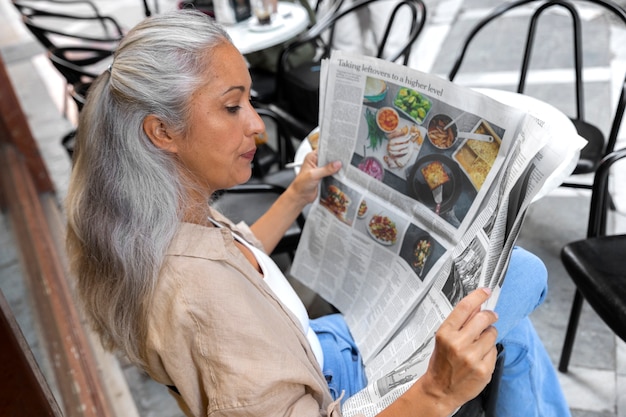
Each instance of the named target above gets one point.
<point>343,365</point>
<point>529,386</point>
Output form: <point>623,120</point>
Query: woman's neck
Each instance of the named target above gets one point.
<point>197,212</point>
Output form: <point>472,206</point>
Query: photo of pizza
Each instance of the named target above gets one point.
<point>435,174</point>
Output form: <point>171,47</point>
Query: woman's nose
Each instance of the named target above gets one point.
<point>257,126</point>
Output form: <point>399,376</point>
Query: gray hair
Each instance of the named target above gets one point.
<point>125,194</point>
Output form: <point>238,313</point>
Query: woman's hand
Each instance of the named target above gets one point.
<point>461,365</point>
<point>305,186</point>
<point>465,352</point>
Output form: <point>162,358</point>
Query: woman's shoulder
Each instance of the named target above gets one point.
<point>193,240</point>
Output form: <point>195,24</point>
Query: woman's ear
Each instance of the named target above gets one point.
<point>158,134</point>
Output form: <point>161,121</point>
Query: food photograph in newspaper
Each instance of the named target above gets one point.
<point>425,148</point>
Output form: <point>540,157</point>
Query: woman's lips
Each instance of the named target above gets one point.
<point>249,155</point>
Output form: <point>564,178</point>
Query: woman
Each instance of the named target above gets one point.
<point>181,291</point>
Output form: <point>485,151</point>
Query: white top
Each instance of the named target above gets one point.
<point>279,285</point>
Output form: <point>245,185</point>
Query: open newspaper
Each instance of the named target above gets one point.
<point>435,183</point>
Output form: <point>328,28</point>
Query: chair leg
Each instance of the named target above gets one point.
<point>570,335</point>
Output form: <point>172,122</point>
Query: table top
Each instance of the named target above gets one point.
<point>248,36</point>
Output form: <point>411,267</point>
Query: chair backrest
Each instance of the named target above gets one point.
<point>297,79</point>
<point>322,32</point>
<point>65,23</point>
<point>148,11</point>
<point>80,64</point>
<point>79,40</point>
<point>541,6</point>
<point>600,196</point>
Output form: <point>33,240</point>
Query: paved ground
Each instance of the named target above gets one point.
<point>596,384</point>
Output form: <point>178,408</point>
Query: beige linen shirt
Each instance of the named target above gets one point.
<point>217,333</point>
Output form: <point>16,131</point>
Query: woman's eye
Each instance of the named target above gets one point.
<point>233,109</point>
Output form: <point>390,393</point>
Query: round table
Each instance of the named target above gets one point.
<point>289,21</point>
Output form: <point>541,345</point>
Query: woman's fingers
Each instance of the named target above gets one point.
<point>468,330</point>
<point>306,183</point>
<point>465,352</point>
<point>467,308</point>
<point>468,324</point>
<point>317,173</point>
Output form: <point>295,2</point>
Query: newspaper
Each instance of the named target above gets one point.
<point>379,244</point>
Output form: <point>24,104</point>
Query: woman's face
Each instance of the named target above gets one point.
<point>218,147</point>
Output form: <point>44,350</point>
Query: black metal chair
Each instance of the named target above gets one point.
<point>596,264</point>
<point>598,145</point>
<point>79,66</point>
<point>297,89</point>
<point>149,11</point>
<point>79,41</point>
<point>263,73</point>
<point>54,23</point>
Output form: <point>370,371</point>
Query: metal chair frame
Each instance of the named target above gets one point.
<point>37,18</point>
<point>598,146</point>
<point>597,228</point>
<point>321,36</point>
<point>75,54</point>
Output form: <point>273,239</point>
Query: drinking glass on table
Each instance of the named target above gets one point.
<point>263,10</point>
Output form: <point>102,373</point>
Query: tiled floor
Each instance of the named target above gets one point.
<point>596,383</point>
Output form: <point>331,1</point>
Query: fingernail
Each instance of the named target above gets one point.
<point>337,164</point>
<point>487,290</point>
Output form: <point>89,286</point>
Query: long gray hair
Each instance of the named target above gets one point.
<point>125,194</point>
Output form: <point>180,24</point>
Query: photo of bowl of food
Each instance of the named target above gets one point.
<point>375,90</point>
<point>382,229</point>
<point>442,133</point>
<point>372,167</point>
<point>477,157</point>
<point>387,119</point>
<point>412,104</point>
<point>421,253</point>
